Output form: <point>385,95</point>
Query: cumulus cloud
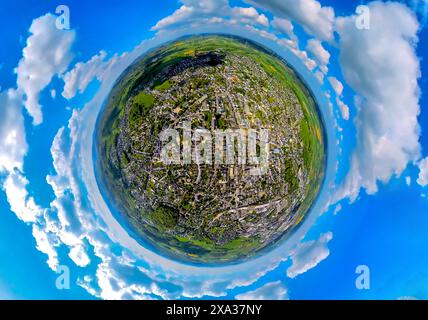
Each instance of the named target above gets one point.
<point>66,214</point>
<point>180,15</point>
<point>13,145</point>
<point>284,26</point>
<point>320,76</point>
<point>293,46</point>
<point>45,244</point>
<point>47,53</point>
<point>79,256</point>
<point>262,33</point>
<point>269,291</point>
<point>13,148</point>
<point>19,200</point>
<point>67,222</point>
<point>309,254</point>
<point>381,66</point>
<point>210,11</point>
<point>336,85</point>
<point>338,89</point>
<point>320,54</point>
<point>315,19</point>
<point>423,172</point>
<point>99,67</point>
<point>78,78</point>
<point>250,15</point>
<point>408,181</point>
<point>344,109</point>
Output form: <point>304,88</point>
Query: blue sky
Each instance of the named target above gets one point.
<point>52,214</point>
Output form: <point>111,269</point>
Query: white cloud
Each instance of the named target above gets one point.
<point>79,256</point>
<point>320,54</point>
<point>381,66</point>
<point>210,11</point>
<point>269,291</point>
<point>45,244</point>
<point>249,15</point>
<point>337,209</point>
<point>289,44</point>
<point>13,145</point>
<point>344,109</point>
<point>408,181</point>
<point>336,85</point>
<point>423,172</point>
<point>13,148</point>
<point>261,33</point>
<point>78,78</point>
<point>19,200</point>
<point>180,15</point>
<point>315,19</point>
<point>293,46</point>
<point>46,53</point>
<point>303,55</point>
<point>320,76</point>
<point>309,254</point>
<point>285,26</point>
<point>324,69</point>
<point>338,89</point>
<point>67,220</point>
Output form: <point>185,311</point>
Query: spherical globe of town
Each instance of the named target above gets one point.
<point>212,148</point>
